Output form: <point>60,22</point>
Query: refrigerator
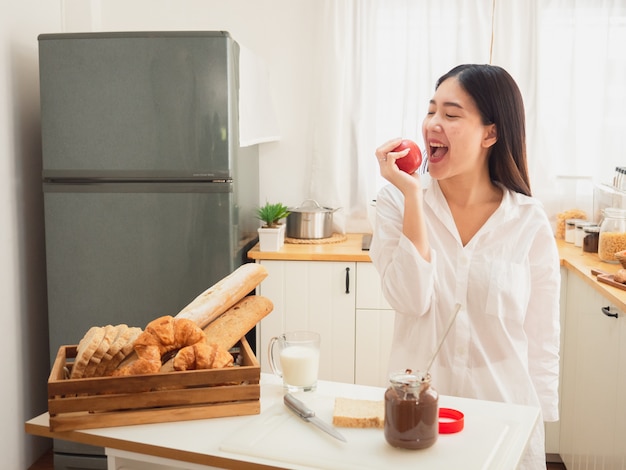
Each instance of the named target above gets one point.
<point>149,199</point>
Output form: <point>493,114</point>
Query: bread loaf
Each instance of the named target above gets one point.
<point>352,413</point>
<point>227,329</point>
<point>620,276</point>
<point>224,294</point>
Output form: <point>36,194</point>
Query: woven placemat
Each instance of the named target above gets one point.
<point>334,238</point>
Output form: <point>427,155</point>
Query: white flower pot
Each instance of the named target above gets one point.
<point>271,239</point>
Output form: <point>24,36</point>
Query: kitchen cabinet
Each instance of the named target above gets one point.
<point>124,460</point>
<point>318,296</point>
<point>592,431</point>
<point>374,329</point>
<point>343,301</point>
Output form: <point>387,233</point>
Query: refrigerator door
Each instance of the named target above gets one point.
<point>129,253</point>
<point>139,105</point>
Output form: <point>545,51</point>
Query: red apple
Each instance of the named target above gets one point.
<point>412,161</point>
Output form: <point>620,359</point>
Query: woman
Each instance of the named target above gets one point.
<point>472,236</point>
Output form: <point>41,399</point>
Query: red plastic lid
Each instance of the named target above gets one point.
<point>450,421</point>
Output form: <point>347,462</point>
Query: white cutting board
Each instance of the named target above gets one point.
<point>493,438</point>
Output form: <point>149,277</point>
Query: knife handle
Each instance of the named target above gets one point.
<point>299,407</point>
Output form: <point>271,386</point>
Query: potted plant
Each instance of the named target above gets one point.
<point>272,232</point>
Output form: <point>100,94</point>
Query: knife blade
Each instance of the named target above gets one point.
<point>308,414</point>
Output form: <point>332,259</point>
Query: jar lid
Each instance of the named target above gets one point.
<point>573,221</point>
<point>583,223</point>
<point>409,378</point>
<point>615,212</point>
<point>450,421</point>
<point>591,229</point>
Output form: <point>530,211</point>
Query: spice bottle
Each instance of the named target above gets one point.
<point>411,411</point>
<point>612,234</point>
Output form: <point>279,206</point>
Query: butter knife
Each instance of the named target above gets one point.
<point>308,414</point>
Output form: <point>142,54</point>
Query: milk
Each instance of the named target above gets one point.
<point>300,366</point>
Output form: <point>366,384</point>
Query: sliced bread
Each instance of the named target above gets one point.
<point>353,413</point>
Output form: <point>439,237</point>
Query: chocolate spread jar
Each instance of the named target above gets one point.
<point>411,411</point>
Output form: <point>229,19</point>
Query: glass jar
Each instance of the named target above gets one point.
<point>612,234</point>
<point>411,411</point>
<point>580,233</point>
<point>570,229</point>
<point>590,241</point>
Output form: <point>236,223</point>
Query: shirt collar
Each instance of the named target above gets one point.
<point>508,210</point>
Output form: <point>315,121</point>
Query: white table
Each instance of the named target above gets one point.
<point>494,437</point>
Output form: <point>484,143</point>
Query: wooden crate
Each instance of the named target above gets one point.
<point>152,398</point>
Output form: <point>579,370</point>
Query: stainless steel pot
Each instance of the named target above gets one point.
<point>310,221</point>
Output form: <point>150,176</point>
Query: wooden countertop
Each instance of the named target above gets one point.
<point>348,250</point>
<point>581,264</point>
<point>572,258</point>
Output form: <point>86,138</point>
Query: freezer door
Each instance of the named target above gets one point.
<point>150,105</point>
<point>129,253</point>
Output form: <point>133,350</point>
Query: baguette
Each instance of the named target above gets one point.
<point>352,413</point>
<point>227,329</point>
<point>224,294</point>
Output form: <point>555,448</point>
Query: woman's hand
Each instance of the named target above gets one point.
<point>389,169</point>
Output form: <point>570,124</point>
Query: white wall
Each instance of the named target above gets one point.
<point>22,281</point>
<point>282,32</point>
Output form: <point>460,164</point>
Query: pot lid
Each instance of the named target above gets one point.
<point>311,205</point>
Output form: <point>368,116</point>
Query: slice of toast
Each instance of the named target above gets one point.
<point>86,347</point>
<point>353,413</point>
<point>110,332</point>
<point>121,338</point>
<point>124,352</point>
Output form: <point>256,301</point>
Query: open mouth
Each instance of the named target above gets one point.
<point>437,151</point>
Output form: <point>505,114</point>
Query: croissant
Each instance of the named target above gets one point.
<point>202,355</point>
<point>161,336</point>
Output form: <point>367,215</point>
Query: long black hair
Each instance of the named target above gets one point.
<point>499,102</point>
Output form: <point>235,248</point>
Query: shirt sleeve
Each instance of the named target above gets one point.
<point>406,278</point>
<point>542,324</point>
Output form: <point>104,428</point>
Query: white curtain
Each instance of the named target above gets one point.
<point>380,60</point>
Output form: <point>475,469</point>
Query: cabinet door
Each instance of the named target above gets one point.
<point>317,296</point>
<point>374,334</point>
<point>374,329</point>
<point>590,374</point>
<point>620,412</point>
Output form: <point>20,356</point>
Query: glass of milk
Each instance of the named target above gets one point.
<point>295,356</point>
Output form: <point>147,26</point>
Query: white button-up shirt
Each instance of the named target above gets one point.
<point>504,345</point>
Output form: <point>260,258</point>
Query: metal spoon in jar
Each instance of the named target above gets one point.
<point>456,312</point>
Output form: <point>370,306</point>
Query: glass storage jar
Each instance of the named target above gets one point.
<point>612,234</point>
<point>580,233</point>
<point>570,229</point>
<point>411,411</point>
<point>590,242</point>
